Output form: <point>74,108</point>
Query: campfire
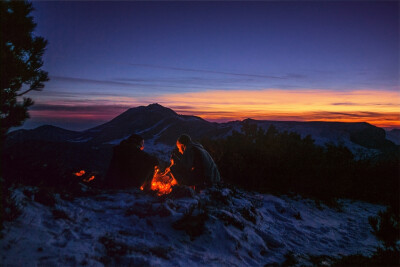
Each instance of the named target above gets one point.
<point>162,182</point>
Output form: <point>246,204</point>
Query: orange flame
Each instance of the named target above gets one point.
<point>162,182</point>
<point>80,173</point>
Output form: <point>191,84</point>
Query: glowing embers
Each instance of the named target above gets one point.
<point>162,182</point>
<point>86,177</point>
<point>80,173</point>
<point>87,180</point>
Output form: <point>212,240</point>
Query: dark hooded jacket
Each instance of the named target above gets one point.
<point>195,167</point>
<point>129,167</point>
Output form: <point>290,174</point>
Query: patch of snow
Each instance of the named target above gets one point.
<point>320,136</point>
<point>393,136</point>
<point>80,140</point>
<point>159,150</point>
<point>117,141</point>
<point>128,227</point>
<point>150,128</point>
<point>162,130</point>
<point>325,136</point>
<point>151,146</point>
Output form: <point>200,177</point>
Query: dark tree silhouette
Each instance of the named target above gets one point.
<point>21,62</point>
<point>284,162</point>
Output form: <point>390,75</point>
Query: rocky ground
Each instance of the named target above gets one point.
<point>216,227</point>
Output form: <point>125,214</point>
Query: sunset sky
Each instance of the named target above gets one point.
<point>222,61</point>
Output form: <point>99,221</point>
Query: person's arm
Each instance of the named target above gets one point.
<point>176,157</point>
<point>197,168</point>
<point>180,167</point>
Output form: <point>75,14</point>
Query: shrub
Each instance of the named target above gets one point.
<point>284,162</point>
<point>10,209</point>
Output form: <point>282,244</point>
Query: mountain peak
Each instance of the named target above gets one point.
<point>155,107</point>
<point>48,126</point>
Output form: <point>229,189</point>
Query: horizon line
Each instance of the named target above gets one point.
<point>79,119</point>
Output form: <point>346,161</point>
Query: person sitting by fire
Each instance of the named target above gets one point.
<point>192,165</point>
<point>130,166</point>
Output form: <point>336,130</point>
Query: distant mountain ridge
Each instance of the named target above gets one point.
<point>161,126</point>
<point>44,132</point>
<point>50,147</point>
<point>357,135</point>
<point>394,136</point>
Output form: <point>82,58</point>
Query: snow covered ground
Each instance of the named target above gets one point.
<point>159,150</point>
<point>213,228</point>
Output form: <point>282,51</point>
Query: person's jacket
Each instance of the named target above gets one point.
<point>195,167</point>
<point>129,167</point>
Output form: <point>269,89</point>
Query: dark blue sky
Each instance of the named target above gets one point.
<point>128,53</point>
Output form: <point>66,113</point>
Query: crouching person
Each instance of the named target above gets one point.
<point>130,166</point>
<point>192,165</point>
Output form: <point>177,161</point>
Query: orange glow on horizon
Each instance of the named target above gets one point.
<point>380,108</point>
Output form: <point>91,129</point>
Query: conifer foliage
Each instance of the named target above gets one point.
<point>21,63</point>
<point>283,162</point>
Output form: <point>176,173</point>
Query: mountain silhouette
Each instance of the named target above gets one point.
<point>152,122</point>
<point>45,132</point>
<point>162,126</point>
